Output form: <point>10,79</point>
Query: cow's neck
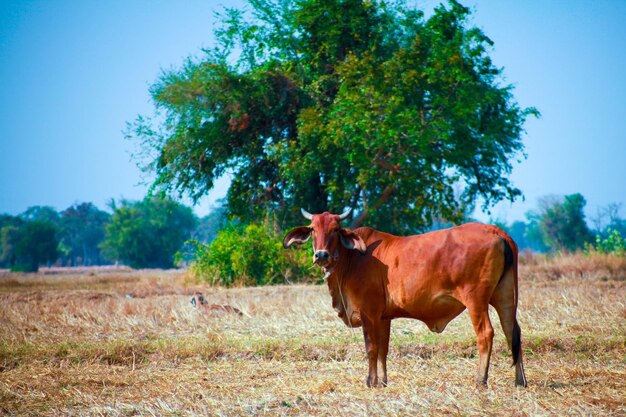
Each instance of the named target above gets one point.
<point>336,279</point>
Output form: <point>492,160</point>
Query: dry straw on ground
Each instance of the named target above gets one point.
<point>130,343</point>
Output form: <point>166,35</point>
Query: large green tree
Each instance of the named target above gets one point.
<point>328,104</point>
<point>147,234</point>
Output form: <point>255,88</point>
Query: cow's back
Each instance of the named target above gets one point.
<point>426,276</point>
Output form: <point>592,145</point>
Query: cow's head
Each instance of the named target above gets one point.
<point>328,235</point>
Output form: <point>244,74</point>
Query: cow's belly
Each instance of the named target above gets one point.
<point>436,312</point>
<point>439,312</point>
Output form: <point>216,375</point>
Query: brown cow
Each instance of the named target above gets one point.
<point>374,277</point>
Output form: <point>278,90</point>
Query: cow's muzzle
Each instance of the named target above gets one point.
<point>321,257</point>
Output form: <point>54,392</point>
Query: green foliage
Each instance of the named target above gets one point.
<point>82,230</point>
<point>9,236</point>
<point>517,230</point>
<point>9,227</point>
<point>533,237</point>
<point>42,214</point>
<point>559,225</point>
<point>249,255</point>
<point>29,245</point>
<point>332,104</point>
<point>613,244</point>
<point>148,233</point>
<point>563,224</point>
<point>209,225</point>
<point>526,234</point>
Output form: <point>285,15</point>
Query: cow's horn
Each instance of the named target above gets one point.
<point>345,214</point>
<point>306,214</point>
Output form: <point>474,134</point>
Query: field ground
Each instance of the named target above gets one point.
<point>107,342</point>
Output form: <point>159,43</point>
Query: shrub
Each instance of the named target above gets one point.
<point>248,255</point>
<point>613,244</point>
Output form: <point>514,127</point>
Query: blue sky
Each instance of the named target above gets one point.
<point>72,73</point>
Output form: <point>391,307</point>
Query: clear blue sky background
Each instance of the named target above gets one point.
<point>72,73</point>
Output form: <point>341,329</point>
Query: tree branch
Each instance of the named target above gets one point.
<point>381,162</point>
<point>384,197</point>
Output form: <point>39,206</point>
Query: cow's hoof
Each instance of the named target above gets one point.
<point>521,384</point>
<point>481,385</point>
<point>372,382</point>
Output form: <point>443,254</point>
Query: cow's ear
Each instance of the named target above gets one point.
<point>351,240</point>
<point>297,236</point>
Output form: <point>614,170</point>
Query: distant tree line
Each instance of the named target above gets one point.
<point>559,225</point>
<point>141,234</point>
<point>150,233</point>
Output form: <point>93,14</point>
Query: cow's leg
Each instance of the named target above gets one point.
<point>371,334</point>
<point>383,348</point>
<point>479,314</point>
<point>503,300</point>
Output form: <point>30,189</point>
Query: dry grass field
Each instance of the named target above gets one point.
<point>130,343</point>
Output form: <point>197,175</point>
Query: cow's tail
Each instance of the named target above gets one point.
<point>510,262</point>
